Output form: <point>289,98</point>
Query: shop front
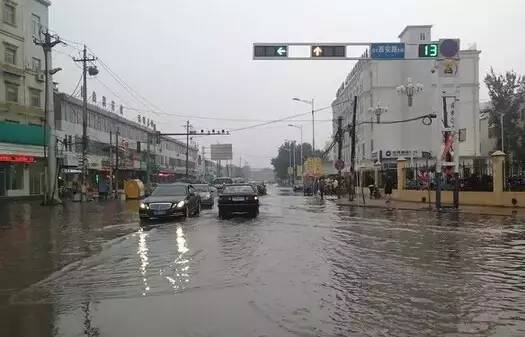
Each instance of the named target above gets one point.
<point>21,175</point>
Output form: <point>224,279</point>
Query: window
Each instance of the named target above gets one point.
<point>36,25</point>
<point>10,13</point>
<point>422,36</point>
<point>10,54</point>
<point>16,177</point>
<point>11,92</point>
<point>462,135</point>
<point>35,97</point>
<point>37,64</point>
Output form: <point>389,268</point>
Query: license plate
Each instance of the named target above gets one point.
<point>238,199</point>
<point>159,212</point>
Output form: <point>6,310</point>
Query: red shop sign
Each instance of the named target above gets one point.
<point>14,158</point>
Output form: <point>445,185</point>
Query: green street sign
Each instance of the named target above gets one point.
<point>271,51</point>
<point>429,50</point>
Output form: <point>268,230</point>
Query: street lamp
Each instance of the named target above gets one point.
<point>410,90</point>
<point>378,111</point>
<point>300,127</point>
<point>311,103</point>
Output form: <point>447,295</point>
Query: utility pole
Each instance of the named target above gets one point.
<point>351,191</point>
<point>289,162</point>
<point>502,132</point>
<point>85,59</point>
<point>187,147</point>
<point>116,162</point>
<point>111,163</point>
<point>148,160</point>
<point>49,120</point>
<point>339,147</point>
<point>294,167</point>
<point>313,127</point>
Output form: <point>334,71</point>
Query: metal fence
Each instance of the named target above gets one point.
<point>515,176</point>
<point>474,175</point>
<point>419,175</point>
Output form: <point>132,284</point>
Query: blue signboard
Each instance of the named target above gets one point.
<point>387,50</point>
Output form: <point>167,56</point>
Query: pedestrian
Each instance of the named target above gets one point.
<point>335,185</point>
<point>389,185</point>
<point>321,188</point>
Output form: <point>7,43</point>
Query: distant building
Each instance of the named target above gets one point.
<point>264,174</point>
<point>374,82</point>
<point>168,156</point>
<point>22,97</point>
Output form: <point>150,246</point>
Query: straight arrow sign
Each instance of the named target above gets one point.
<point>318,51</point>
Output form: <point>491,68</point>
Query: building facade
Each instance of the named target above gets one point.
<point>374,82</point>
<point>108,131</point>
<point>22,97</point>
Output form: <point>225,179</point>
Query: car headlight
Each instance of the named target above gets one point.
<point>143,206</point>
<point>180,204</point>
<point>208,196</point>
<point>255,198</point>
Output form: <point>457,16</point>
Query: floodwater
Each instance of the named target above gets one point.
<point>304,267</point>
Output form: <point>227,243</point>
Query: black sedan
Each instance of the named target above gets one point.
<point>169,200</point>
<point>240,198</point>
<point>206,194</point>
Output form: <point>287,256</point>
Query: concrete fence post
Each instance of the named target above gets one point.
<point>498,159</point>
<point>401,179</point>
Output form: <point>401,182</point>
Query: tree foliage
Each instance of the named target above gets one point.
<point>281,162</point>
<point>507,95</point>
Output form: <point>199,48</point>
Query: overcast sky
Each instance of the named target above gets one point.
<point>191,57</point>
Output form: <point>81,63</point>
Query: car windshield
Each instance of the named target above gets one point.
<point>221,181</point>
<point>169,190</point>
<point>238,189</point>
<point>202,188</point>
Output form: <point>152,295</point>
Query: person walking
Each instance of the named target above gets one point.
<point>321,188</point>
<point>389,185</point>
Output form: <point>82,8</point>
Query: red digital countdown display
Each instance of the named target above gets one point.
<point>19,159</point>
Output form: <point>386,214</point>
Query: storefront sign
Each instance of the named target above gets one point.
<point>20,159</point>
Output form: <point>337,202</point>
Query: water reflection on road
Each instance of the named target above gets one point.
<point>303,267</point>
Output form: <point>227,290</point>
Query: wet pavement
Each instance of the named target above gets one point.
<point>302,268</point>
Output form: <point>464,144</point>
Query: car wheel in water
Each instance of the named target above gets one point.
<point>187,212</point>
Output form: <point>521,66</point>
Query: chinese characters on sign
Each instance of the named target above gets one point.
<point>21,159</point>
<point>387,50</point>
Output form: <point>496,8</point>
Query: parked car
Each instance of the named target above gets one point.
<point>240,198</point>
<point>219,183</point>
<point>206,194</point>
<point>169,200</point>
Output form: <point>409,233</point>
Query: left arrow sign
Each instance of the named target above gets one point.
<point>269,51</point>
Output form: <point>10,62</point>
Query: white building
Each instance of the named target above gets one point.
<point>374,82</point>
<point>21,97</point>
<point>168,157</point>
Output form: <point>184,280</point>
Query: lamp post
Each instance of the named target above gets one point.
<point>410,90</point>
<point>300,127</point>
<point>311,103</point>
<point>378,111</point>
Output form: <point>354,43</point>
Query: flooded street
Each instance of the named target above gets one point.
<point>302,268</point>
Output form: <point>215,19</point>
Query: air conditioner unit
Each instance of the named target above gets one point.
<point>40,77</point>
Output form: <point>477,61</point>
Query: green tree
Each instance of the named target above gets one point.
<point>281,162</point>
<point>507,95</point>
